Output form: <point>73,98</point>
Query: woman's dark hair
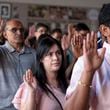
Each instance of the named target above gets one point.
<point>44,44</point>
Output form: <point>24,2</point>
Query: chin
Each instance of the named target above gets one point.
<point>56,69</point>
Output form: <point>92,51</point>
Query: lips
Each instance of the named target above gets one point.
<point>56,64</point>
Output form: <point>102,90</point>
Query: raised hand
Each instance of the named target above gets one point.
<point>64,43</point>
<point>70,29</point>
<point>1,24</point>
<point>76,44</point>
<point>66,39</point>
<point>30,81</point>
<point>92,59</point>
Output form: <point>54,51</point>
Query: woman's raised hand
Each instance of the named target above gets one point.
<point>30,81</point>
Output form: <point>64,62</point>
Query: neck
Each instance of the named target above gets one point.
<point>52,80</point>
<point>17,46</point>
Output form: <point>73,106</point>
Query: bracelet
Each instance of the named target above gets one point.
<point>84,84</point>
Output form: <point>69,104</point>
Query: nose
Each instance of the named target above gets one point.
<point>43,32</point>
<point>19,32</point>
<point>55,56</point>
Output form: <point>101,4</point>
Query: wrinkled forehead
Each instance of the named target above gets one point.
<point>13,23</point>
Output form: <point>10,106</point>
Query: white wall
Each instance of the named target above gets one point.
<point>72,3</point>
<point>79,3</point>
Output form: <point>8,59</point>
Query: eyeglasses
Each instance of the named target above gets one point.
<point>14,30</point>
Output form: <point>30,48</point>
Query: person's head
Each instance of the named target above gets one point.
<point>104,21</point>
<point>14,32</point>
<point>40,28</point>
<point>57,34</point>
<point>50,60</point>
<point>80,31</point>
<point>81,28</point>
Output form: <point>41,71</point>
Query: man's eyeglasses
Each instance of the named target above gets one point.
<point>14,30</point>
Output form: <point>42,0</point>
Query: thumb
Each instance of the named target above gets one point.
<point>34,79</point>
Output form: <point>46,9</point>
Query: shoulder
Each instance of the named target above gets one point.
<point>76,74</point>
<point>30,49</point>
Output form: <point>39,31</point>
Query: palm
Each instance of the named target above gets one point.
<point>65,42</point>
<point>92,59</point>
<point>30,81</point>
<point>76,46</point>
<point>1,24</point>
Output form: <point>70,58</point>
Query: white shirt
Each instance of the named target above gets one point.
<point>100,92</point>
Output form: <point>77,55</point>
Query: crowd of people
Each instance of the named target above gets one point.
<point>48,69</point>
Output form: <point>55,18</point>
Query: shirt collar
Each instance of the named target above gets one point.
<point>107,53</point>
<point>11,49</point>
<point>107,46</point>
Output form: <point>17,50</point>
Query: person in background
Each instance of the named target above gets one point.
<point>34,34</point>
<point>47,89</point>
<point>90,82</point>
<point>80,30</point>
<point>15,59</point>
<point>2,23</point>
<point>57,34</point>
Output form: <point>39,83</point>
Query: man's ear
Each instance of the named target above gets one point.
<point>4,35</point>
<point>105,30</point>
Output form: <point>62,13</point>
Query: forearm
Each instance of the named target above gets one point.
<point>30,103</point>
<point>79,100</point>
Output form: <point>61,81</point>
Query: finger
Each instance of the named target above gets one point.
<point>74,40</point>
<point>95,41</point>
<point>70,27</point>
<point>30,75</point>
<point>80,42</point>
<point>85,41</point>
<point>24,78</point>
<point>84,46</point>
<point>88,42</point>
<point>92,39</point>
<point>77,39</point>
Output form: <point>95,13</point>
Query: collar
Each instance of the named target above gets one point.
<point>107,46</point>
<point>107,53</point>
<point>11,49</point>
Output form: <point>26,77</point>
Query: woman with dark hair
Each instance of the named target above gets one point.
<point>46,90</point>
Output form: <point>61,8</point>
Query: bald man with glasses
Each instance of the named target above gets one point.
<point>15,59</point>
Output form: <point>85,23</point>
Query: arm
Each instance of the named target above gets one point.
<point>76,49</point>
<point>79,99</point>
<point>31,84</point>
<point>65,42</point>
<point>2,23</point>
